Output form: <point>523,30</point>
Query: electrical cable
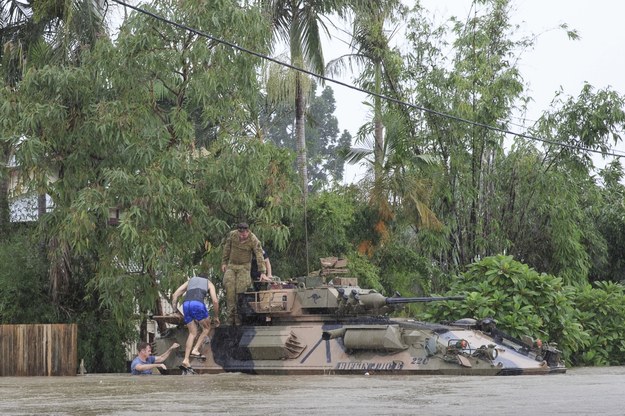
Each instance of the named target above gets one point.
<point>355,88</point>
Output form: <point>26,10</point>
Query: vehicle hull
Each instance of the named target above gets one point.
<point>356,346</point>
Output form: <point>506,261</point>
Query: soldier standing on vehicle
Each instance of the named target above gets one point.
<point>235,264</point>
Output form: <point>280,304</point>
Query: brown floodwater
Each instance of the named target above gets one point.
<point>582,391</point>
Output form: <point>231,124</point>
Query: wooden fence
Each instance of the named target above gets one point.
<point>38,350</point>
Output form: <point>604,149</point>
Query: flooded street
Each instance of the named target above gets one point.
<point>584,391</point>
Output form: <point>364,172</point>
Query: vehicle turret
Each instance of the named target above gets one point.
<point>297,301</point>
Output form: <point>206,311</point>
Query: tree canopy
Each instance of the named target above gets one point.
<point>152,144</point>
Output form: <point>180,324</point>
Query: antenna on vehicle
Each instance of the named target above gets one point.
<point>306,232</point>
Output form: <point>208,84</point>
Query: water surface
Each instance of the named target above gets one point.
<point>583,391</point>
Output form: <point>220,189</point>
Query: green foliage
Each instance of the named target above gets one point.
<point>368,274</point>
<point>158,125</point>
<point>252,182</point>
<point>23,283</point>
<point>521,300</point>
<point>403,269</point>
<point>329,220</point>
<point>601,311</point>
<point>609,217</point>
<point>120,132</point>
<point>569,226</point>
<point>494,201</point>
<point>8,115</point>
<point>301,25</point>
<point>331,215</point>
<point>324,146</point>
<point>144,128</point>
<point>102,340</point>
<point>480,83</point>
<point>544,228</point>
<point>591,121</point>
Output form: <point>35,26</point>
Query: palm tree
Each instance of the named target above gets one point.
<point>56,34</point>
<point>373,53</point>
<point>397,189</point>
<point>299,23</point>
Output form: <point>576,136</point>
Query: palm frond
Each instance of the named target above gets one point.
<point>349,61</point>
<point>358,154</point>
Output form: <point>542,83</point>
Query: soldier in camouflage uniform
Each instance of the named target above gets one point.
<point>235,264</point>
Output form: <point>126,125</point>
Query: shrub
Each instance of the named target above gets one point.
<point>521,300</point>
<point>601,310</point>
<point>23,282</point>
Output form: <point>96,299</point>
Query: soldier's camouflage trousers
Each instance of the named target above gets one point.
<point>237,279</point>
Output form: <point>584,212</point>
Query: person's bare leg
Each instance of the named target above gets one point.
<point>187,348</point>
<point>205,324</point>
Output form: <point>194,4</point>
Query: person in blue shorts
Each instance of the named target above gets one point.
<point>144,362</point>
<point>194,309</point>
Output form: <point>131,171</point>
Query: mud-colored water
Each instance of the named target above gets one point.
<point>586,391</point>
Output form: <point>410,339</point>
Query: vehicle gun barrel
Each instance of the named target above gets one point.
<point>392,301</point>
<point>378,301</point>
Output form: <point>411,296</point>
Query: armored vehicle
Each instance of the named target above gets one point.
<point>327,324</point>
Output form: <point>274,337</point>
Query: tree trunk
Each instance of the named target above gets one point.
<point>41,205</point>
<point>378,151</point>
<point>158,306</point>
<point>300,134</point>
<point>5,213</point>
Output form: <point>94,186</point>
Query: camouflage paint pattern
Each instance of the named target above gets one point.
<point>293,328</point>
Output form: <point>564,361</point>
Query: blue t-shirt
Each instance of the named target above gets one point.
<point>138,361</point>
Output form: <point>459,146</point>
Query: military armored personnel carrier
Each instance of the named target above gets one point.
<point>327,324</point>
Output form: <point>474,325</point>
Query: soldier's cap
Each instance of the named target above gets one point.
<point>243,226</point>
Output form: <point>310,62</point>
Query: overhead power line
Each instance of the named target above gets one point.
<point>355,88</point>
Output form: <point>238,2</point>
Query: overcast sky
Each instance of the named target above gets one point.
<point>598,57</point>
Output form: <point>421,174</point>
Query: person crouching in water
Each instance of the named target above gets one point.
<point>194,309</point>
<point>144,362</point>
